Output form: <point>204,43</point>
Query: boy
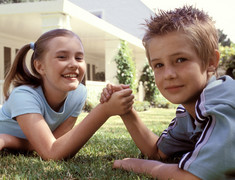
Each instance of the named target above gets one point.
<point>182,48</point>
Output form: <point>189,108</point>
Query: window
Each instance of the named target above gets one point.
<point>88,71</point>
<point>7,60</point>
<point>93,72</point>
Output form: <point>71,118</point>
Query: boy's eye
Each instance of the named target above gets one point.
<point>158,65</point>
<point>180,60</point>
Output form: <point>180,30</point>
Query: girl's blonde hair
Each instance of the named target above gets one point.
<point>19,74</point>
<point>196,24</point>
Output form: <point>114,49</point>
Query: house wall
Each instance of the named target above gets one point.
<point>127,15</point>
<point>59,20</point>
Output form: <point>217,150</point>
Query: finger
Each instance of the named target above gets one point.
<point>128,107</point>
<point>130,98</point>
<point>106,93</point>
<point>125,86</point>
<point>126,92</point>
<point>110,88</point>
<point>117,88</point>
<point>102,99</point>
<point>117,164</point>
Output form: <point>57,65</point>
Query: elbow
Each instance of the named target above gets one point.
<point>156,154</point>
<point>54,155</point>
<point>47,157</point>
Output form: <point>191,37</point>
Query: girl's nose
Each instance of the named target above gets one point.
<point>73,63</point>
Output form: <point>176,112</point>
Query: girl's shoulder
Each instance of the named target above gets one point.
<point>25,89</point>
<point>25,92</point>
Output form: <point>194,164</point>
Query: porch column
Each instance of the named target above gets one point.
<point>55,21</point>
<point>140,61</point>
<point>111,50</point>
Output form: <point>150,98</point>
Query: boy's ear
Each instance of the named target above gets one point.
<point>39,66</point>
<point>214,61</point>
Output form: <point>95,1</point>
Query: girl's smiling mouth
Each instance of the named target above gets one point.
<point>70,75</point>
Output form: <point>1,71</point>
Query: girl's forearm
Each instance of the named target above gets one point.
<point>67,145</point>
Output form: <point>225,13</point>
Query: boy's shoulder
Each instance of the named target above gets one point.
<point>222,81</point>
<point>220,89</point>
<point>219,95</point>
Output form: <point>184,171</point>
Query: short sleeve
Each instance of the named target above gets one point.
<point>77,100</point>
<point>22,101</point>
<point>177,138</point>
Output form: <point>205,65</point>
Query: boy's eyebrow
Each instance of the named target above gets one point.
<point>171,55</point>
<point>155,59</point>
<point>178,53</point>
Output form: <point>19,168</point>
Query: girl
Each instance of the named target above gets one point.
<point>40,112</point>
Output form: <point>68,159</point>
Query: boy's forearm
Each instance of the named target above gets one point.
<point>142,136</point>
<point>155,169</point>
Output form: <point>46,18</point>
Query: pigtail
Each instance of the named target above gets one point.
<point>19,74</point>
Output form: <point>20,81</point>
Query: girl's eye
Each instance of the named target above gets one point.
<point>79,58</point>
<point>180,60</point>
<point>61,57</point>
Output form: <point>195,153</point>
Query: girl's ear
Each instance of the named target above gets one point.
<point>39,66</point>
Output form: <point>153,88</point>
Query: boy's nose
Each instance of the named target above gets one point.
<point>170,72</point>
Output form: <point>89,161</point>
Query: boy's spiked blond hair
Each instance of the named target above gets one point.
<point>196,24</point>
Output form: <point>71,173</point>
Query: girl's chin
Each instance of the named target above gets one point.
<point>72,87</point>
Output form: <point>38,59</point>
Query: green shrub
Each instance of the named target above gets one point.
<point>141,106</point>
<point>88,106</point>
<point>147,78</point>
<point>126,71</point>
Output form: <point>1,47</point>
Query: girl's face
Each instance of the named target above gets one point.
<point>178,70</point>
<point>63,66</point>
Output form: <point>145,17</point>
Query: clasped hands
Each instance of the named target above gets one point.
<point>125,94</point>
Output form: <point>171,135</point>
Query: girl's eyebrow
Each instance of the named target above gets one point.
<point>64,51</point>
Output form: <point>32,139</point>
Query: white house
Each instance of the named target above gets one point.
<point>100,28</point>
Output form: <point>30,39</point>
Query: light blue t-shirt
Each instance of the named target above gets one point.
<point>208,142</point>
<point>25,99</point>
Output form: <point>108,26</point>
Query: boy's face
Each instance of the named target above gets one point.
<point>178,70</point>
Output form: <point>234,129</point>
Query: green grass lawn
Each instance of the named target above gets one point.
<point>94,160</point>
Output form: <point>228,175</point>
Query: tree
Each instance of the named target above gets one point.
<point>223,40</point>
<point>147,78</point>
<point>227,59</point>
<point>126,71</point>
<point>227,54</point>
